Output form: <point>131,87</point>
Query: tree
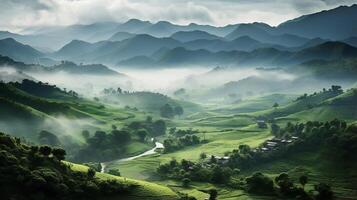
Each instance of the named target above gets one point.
<point>59,153</point>
<point>284,182</point>
<point>303,180</point>
<point>324,192</point>
<point>142,133</point>
<point>149,119</point>
<point>258,183</point>
<point>172,130</point>
<point>114,127</point>
<point>121,136</point>
<point>91,173</point>
<point>114,172</point>
<point>178,110</point>
<point>186,182</point>
<point>167,111</point>
<point>48,138</point>
<point>45,150</point>
<point>203,156</point>
<point>159,127</point>
<point>276,105</point>
<point>213,194</point>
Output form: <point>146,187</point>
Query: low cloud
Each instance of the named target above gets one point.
<point>18,14</point>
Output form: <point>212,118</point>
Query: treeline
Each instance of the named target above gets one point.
<point>282,185</point>
<point>43,89</point>
<point>36,172</point>
<point>180,138</point>
<point>174,144</point>
<point>334,90</point>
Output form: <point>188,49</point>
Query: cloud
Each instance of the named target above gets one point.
<point>19,14</point>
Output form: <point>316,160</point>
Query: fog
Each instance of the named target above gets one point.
<point>164,81</point>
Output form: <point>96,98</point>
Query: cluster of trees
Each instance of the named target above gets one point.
<point>43,89</point>
<point>36,172</point>
<point>211,171</point>
<point>48,138</point>
<point>169,111</point>
<point>188,171</point>
<point>285,187</point>
<point>176,143</point>
<point>335,137</point>
<point>103,146</point>
<point>112,91</point>
<point>151,127</point>
<point>181,132</point>
<point>334,90</point>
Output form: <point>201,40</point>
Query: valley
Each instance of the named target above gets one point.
<point>164,110</point>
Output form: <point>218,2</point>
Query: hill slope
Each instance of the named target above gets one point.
<point>48,177</point>
<point>336,24</point>
<point>25,53</point>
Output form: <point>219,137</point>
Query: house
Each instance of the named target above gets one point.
<point>222,160</point>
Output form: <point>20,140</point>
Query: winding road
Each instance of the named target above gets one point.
<point>158,145</point>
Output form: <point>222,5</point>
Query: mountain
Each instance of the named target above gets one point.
<point>266,34</point>
<point>351,41</point>
<point>310,43</point>
<point>335,24</point>
<point>244,43</point>
<point>89,69</point>
<point>65,66</point>
<point>119,36</point>
<point>138,61</point>
<point>25,53</point>
<point>267,57</point>
<point>113,52</point>
<point>134,26</point>
<point>341,69</point>
<point>75,48</point>
<point>186,36</point>
<point>325,51</point>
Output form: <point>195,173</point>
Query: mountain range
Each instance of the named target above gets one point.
<point>143,43</point>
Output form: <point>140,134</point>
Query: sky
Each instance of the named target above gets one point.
<point>17,15</point>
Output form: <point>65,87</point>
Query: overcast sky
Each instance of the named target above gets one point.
<point>19,14</point>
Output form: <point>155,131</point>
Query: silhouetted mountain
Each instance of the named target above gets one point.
<point>335,24</point>
<point>75,48</point>
<point>341,69</point>
<point>65,66</point>
<point>25,53</point>
<point>114,52</point>
<point>310,43</point>
<point>186,36</point>
<point>243,43</point>
<point>138,61</point>
<point>259,57</point>
<point>325,51</point>
<point>351,41</point>
<point>120,36</point>
<point>134,26</point>
<point>263,33</point>
<point>93,69</point>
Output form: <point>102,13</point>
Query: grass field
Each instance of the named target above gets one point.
<point>226,130</point>
<point>144,190</point>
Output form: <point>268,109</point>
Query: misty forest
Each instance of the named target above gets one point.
<point>154,100</point>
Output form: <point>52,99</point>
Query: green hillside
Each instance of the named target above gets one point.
<point>302,103</point>
<point>47,177</point>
